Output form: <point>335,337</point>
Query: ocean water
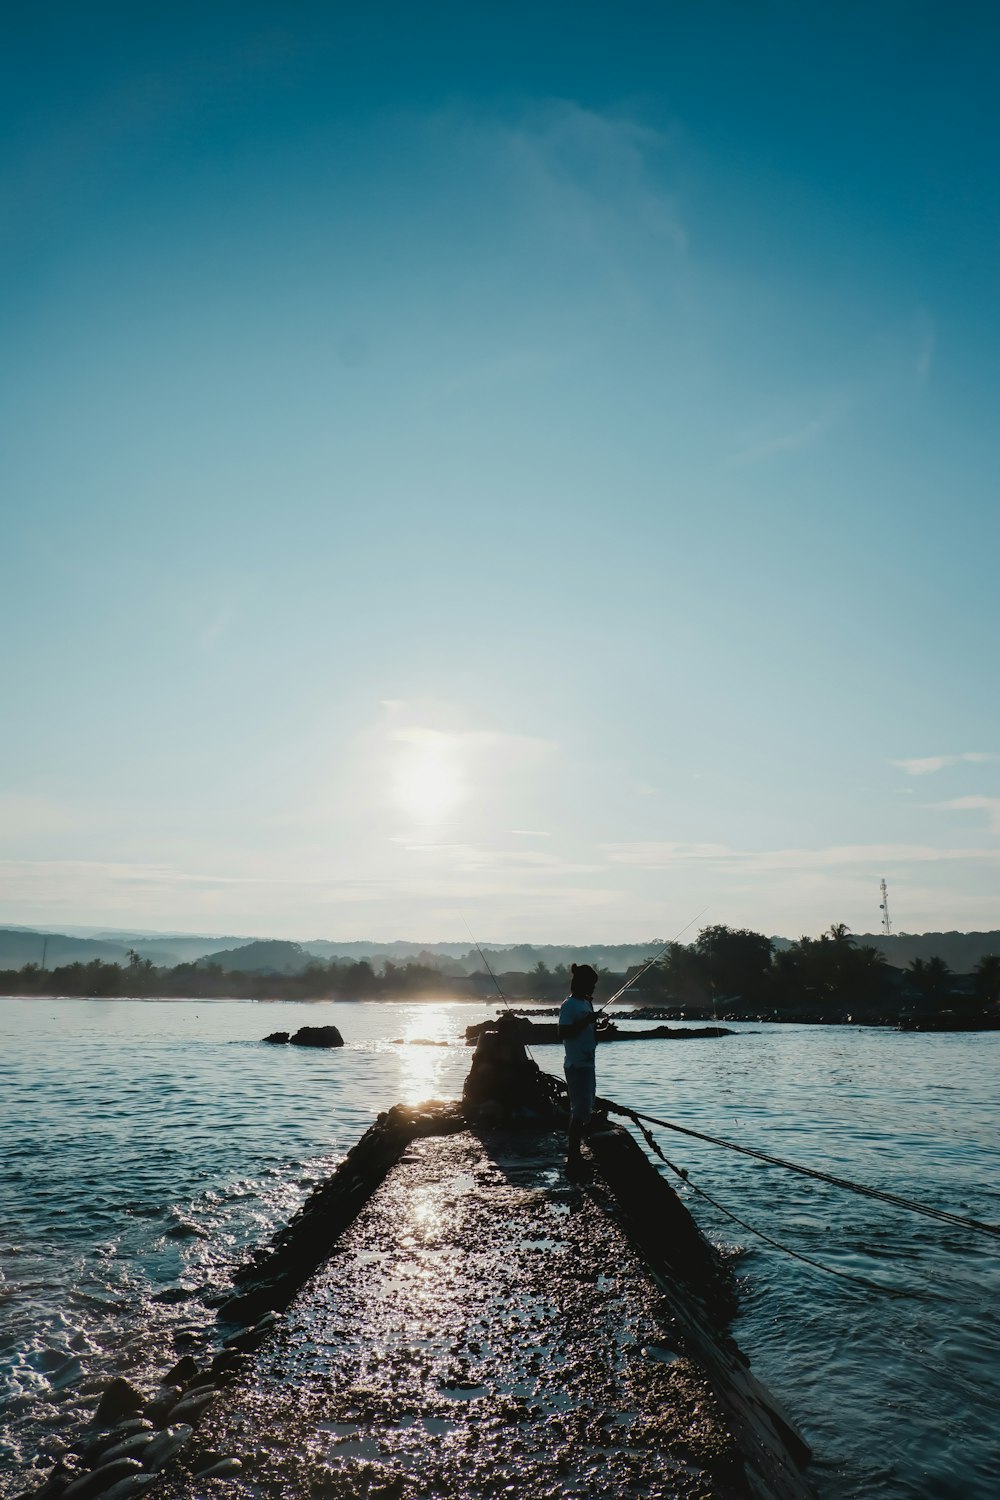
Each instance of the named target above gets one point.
<point>148,1144</point>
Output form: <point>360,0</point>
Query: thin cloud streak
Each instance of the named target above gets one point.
<point>926,765</point>
<point>664,855</point>
<point>785,442</point>
<point>990,805</point>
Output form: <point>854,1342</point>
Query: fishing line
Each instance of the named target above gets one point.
<point>650,962</point>
<point>489,971</point>
<point>500,992</point>
<point>894,1199</point>
<point>869,1286</point>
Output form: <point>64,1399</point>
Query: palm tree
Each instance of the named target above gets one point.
<point>932,977</point>
<point>841,933</point>
<point>987,972</point>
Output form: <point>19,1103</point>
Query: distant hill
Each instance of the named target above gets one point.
<point>507,956</point>
<point>264,957</point>
<point>961,951</point>
<point>398,951</point>
<point>24,945</point>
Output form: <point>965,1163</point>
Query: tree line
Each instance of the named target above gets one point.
<point>726,970</point>
<point>139,977</point>
<point>828,977</point>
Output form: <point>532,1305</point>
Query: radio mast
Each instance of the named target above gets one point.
<point>884,908</point>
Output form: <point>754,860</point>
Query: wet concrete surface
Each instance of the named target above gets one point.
<point>483,1328</point>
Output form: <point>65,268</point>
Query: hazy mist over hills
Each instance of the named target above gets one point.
<point>20,946</point>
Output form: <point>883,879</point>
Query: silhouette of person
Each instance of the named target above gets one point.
<point>578,1028</point>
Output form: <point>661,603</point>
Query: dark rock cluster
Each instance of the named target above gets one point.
<point>132,1437</point>
<point>308,1036</point>
<point>506,1086</point>
<point>535,1033</point>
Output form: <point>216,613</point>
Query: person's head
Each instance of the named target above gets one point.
<point>583,981</point>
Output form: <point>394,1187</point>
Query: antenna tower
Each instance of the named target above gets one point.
<point>884,908</point>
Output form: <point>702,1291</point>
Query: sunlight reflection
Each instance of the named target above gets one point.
<point>422,1064</point>
<point>425,1215</point>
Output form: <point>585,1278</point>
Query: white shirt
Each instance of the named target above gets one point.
<point>579,1049</point>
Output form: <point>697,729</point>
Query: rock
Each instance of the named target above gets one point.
<point>276,1037</point>
<point>503,1080</point>
<point>229,1363</point>
<point>391,1491</point>
<point>161,1406</point>
<point>186,1339</point>
<point>221,1468</point>
<point>130,1447</point>
<point>184,1370</point>
<point>165,1445</point>
<point>317,1036</point>
<point>120,1399</point>
<point>68,1469</point>
<point>125,1489</point>
<point>197,1389</point>
<point>117,1434</point>
<point>249,1338</point>
<point>190,1408</point>
<point>99,1480</point>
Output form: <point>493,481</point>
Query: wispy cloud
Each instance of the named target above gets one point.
<point>925,359</point>
<point>989,805</point>
<point>926,336</point>
<point>217,626</point>
<point>136,874</point>
<point>588,172</point>
<point>468,857</point>
<point>927,764</point>
<point>665,855</point>
<point>784,442</point>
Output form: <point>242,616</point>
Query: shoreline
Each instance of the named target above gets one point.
<point>941,1021</point>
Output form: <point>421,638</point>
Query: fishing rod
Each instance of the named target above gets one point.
<point>503,997</point>
<point>649,963</point>
<point>489,971</point>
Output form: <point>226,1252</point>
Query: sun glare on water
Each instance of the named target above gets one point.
<point>422,1063</point>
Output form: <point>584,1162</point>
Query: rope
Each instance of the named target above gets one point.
<point>860,1188</point>
<point>869,1286</point>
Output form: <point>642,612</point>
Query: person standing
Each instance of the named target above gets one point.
<point>578,1028</point>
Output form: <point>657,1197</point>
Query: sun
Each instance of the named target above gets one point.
<point>427,777</point>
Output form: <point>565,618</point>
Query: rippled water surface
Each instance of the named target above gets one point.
<point>147,1144</point>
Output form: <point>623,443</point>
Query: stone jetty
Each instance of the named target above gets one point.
<point>447,1315</point>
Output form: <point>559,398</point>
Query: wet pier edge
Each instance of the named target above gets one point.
<point>447,1315</point>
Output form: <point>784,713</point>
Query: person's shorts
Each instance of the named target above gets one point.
<point>582,1085</point>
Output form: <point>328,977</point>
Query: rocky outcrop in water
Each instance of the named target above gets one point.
<point>536,1033</point>
<point>308,1036</point>
<point>504,1085</point>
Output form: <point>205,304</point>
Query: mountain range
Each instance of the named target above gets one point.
<point>23,945</point>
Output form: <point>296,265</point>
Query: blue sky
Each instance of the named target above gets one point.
<point>507,464</point>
